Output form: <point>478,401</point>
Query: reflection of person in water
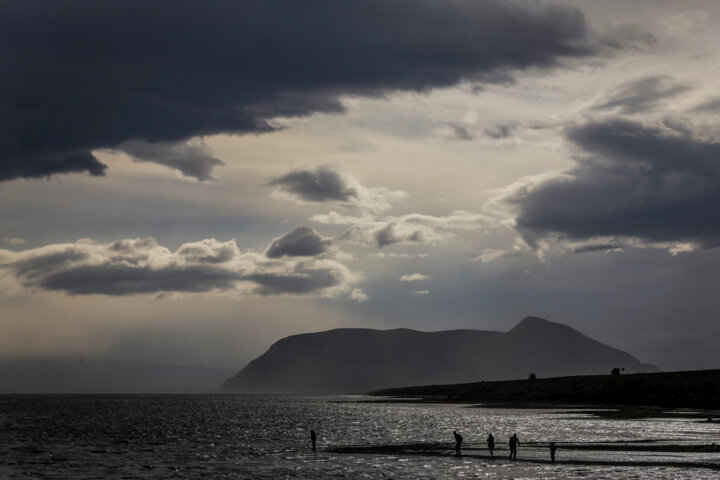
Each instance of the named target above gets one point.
<point>313,438</point>
<point>458,442</point>
<point>491,444</point>
<point>514,442</point>
<point>552,451</point>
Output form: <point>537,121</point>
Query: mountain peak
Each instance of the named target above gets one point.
<point>533,323</point>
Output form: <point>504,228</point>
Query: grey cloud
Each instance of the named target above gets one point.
<point>82,75</point>
<point>410,228</point>
<point>191,159</point>
<point>596,247</point>
<point>208,251</point>
<point>632,180</point>
<point>141,266</point>
<point>36,266</point>
<point>298,282</point>
<point>459,132</point>
<point>327,184</point>
<point>300,242</point>
<point>386,236</point>
<point>16,163</point>
<point>500,130</point>
<point>642,95</point>
<point>709,106</point>
<point>626,36</point>
<point>316,185</point>
<point>114,279</point>
<point>389,235</point>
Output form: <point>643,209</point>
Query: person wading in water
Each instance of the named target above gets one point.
<point>458,442</point>
<point>514,442</point>
<point>491,444</point>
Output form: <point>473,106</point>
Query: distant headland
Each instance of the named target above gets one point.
<point>351,360</point>
<point>692,389</point>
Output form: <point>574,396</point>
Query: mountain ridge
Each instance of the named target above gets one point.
<point>354,360</point>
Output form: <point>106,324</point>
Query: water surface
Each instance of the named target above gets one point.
<point>258,436</point>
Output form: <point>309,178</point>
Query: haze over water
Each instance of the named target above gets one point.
<point>254,436</point>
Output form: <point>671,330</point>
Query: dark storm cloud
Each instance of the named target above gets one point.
<point>192,160</point>
<point>80,75</point>
<point>141,266</point>
<point>322,184</point>
<point>653,183</point>
<point>300,242</point>
<point>642,95</point>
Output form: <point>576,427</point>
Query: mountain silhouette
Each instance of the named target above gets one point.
<point>353,360</point>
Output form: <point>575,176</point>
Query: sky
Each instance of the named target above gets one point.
<point>184,183</point>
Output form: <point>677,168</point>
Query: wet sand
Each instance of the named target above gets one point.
<point>636,454</point>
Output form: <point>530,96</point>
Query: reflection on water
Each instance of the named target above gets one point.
<point>245,436</point>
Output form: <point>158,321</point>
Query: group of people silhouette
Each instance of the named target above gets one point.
<point>513,443</point>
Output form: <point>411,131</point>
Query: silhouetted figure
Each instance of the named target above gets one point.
<point>458,442</point>
<point>491,444</point>
<point>552,451</point>
<point>514,442</point>
<point>313,438</point>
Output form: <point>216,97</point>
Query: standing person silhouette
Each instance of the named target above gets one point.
<point>491,444</point>
<point>313,439</point>
<point>514,442</point>
<point>552,451</point>
<point>458,442</point>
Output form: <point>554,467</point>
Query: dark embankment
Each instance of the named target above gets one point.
<point>692,389</point>
<point>357,360</point>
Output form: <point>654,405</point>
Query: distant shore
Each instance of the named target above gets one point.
<point>699,389</point>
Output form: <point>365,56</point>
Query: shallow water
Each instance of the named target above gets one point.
<point>253,436</point>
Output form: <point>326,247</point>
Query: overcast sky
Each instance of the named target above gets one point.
<point>187,182</point>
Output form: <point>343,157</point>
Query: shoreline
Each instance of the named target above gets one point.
<point>540,455</point>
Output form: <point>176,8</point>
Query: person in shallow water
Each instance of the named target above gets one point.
<point>514,442</point>
<point>552,451</point>
<point>458,442</point>
<point>313,438</point>
<point>491,444</point>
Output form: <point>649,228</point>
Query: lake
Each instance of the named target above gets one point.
<point>267,436</point>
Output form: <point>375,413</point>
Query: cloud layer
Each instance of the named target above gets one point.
<point>404,229</point>
<point>82,75</point>
<point>142,266</point>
